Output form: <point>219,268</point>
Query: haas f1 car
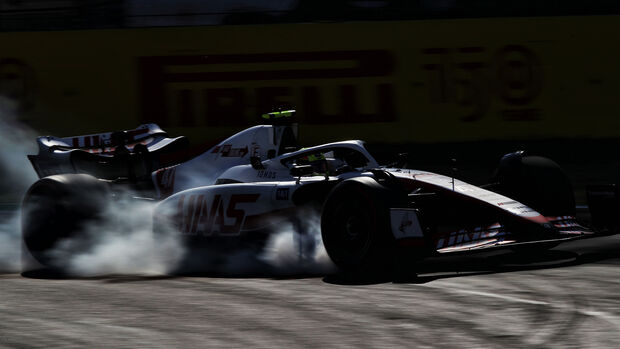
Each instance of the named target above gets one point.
<point>238,191</point>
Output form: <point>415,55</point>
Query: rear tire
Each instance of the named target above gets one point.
<point>56,208</point>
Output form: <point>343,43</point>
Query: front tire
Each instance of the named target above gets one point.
<point>355,228</point>
<point>537,182</point>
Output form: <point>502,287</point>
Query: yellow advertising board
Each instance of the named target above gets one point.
<point>421,81</point>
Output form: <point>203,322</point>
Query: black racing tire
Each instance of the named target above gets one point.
<point>538,182</point>
<point>59,207</point>
<point>355,228</point>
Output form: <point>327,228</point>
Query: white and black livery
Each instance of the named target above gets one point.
<point>235,192</point>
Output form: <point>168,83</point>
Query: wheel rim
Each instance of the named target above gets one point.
<point>351,233</point>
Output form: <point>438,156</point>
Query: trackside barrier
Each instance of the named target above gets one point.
<point>424,81</point>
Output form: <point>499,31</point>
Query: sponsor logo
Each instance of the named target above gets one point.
<point>197,216</point>
<point>109,140</point>
<point>266,174</point>
<point>405,224</point>
<point>178,88</point>
<point>465,236</point>
<point>228,151</point>
<point>282,194</point>
<point>165,181</point>
<point>463,76</point>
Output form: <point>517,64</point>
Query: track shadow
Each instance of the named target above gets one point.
<point>249,269</point>
<point>52,274</point>
<point>49,274</point>
<point>499,262</point>
<point>45,274</point>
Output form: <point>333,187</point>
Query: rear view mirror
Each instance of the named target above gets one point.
<point>301,170</point>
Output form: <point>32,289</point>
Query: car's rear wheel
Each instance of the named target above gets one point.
<point>57,208</point>
<point>355,229</point>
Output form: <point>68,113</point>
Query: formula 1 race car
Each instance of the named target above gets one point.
<point>240,189</point>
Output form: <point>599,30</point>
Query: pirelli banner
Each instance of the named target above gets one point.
<point>421,81</point>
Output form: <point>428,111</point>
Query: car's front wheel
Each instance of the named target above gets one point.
<point>355,228</point>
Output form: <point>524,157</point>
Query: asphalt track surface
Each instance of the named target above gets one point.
<point>565,298</point>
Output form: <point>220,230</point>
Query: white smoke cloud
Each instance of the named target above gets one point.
<point>10,243</point>
<point>298,249</point>
<point>290,250</point>
<point>123,242</point>
<point>16,141</point>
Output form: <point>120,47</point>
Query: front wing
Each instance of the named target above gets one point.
<point>408,232</point>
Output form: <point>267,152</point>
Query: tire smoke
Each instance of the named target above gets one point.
<point>10,242</point>
<point>298,248</point>
<point>123,241</point>
<point>16,141</point>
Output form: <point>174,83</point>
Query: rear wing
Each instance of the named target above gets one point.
<point>105,142</point>
<point>108,155</point>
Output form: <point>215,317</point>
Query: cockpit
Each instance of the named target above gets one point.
<point>330,161</point>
